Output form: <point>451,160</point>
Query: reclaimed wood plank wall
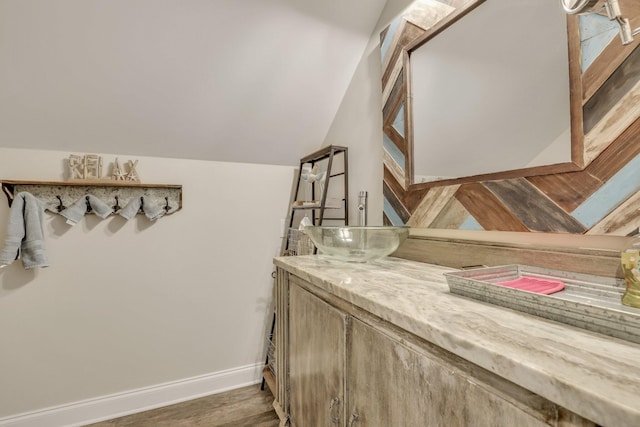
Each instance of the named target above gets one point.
<point>599,196</point>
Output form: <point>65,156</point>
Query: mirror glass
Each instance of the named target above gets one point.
<point>490,93</point>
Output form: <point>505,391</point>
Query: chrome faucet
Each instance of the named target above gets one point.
<point>362,208</point>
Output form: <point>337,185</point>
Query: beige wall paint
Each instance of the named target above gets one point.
<point>255,81</point>
<point>358,122</point>
<point>126,305</point>
<point>358,125</point>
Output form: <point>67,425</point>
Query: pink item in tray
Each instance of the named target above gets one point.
<point>533,284</point>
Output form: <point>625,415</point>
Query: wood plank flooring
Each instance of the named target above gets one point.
<point>243,407</point>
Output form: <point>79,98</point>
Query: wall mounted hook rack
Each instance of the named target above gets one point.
<point>117,193</point>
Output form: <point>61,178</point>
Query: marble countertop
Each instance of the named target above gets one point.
<point>590,374</point>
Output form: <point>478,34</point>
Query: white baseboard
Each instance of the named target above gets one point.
<point>133,401</point>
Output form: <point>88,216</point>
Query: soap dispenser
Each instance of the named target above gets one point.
<point>630,261</point>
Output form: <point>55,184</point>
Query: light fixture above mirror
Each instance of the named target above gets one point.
<point>611,7</point>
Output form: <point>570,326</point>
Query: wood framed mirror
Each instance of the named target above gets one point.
<point>490,89</point>
<point>559,197</point>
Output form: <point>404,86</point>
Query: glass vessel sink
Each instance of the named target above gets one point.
<point>357,244</point>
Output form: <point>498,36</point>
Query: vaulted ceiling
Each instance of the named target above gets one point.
<point>256,81</point>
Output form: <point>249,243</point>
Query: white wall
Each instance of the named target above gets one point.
<point>129,305</point>
<point>126,305</point>
<point>358,122</point>
<point>247,81</point>
<point>358,125</point>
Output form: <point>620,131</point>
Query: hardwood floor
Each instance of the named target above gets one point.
<point>243,407</point>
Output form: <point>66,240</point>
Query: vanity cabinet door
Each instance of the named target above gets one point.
<point>390,384</point>
<point>316,361</point>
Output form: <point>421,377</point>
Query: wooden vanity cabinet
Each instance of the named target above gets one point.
<point>316,359</point>
<point>392,384</point>
<point>349,368</point>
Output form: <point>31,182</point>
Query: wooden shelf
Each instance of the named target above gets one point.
<point>315,207</point>
<point>270,380</point>
<point>318,202</point>
<point>323,153</point>
<point>119,192</point>
<point>90,183</point>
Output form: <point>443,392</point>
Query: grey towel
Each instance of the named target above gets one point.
<point>100,208</point>
<point>151,209</point>
<point>75,212</point>
<point>25,236</point>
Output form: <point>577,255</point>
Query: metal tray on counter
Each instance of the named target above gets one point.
<point>587,301</point>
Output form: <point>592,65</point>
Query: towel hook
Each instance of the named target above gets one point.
<point>89,209</point>
<point>60,206</point>
<point>167,208</point>
<point>117,206</point>
<point>141,204</point>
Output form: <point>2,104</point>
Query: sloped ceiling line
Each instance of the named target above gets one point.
<point>252,81</point>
